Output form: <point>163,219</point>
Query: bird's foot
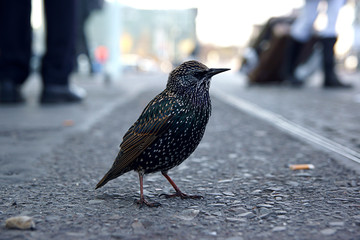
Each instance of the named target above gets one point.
<point>141,202</point>
<point>181,195</point>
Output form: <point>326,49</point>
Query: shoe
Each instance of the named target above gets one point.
<point>336,84</point>
<point>62,94</point>
<point>294,82</point>
<point>10,92</point>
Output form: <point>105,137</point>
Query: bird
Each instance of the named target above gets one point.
<point>169,128</point>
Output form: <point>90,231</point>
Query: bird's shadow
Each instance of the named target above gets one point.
<point>129,200</point>
<point>112,196</point>
<point>125,200</point>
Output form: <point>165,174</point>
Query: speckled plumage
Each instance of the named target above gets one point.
<point>170,127</point>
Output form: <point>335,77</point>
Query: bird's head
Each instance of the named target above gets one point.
<point>191,77</point>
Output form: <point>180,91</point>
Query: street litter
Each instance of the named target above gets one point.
<point>68,123</point>
<point>301,166</point>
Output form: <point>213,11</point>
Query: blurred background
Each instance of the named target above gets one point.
<point>120,36</point>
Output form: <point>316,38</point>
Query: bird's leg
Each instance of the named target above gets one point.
<point>142,200</point>
<point>178,192</point>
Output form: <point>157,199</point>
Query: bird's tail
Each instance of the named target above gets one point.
<point>104,180</point>
<point>110,175</point>
<point>113,173</point>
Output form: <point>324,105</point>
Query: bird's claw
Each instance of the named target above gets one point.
<point>142,202</point>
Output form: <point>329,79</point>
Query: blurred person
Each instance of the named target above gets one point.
<point>301,32</point>
<point>15,51</point>
<point>264,57</point>
<point>86,7</point>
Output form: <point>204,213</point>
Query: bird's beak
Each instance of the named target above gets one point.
<point>213,71</point>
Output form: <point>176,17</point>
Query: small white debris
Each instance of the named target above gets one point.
<point>20,222</point>
<point>328,231</point>
<point>279,228</point>
<point>96,201</point>
<point>225,180</point>
<point>228,193</point>
<point>257,191</point>
<point>337,224</point>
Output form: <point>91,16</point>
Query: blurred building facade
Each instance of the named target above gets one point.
<point>123,38</point>
<point>145,39</point>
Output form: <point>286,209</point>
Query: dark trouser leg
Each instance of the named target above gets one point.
<point>331,79</point>
<point>58,61</point>
<point>291,57</point>
<point>15,47</point>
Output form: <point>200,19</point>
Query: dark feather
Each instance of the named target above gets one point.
<point>154,121</point>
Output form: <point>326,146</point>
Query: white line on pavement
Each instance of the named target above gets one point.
<point>286,125</point>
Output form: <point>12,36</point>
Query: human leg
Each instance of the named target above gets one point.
<point>15,48</point>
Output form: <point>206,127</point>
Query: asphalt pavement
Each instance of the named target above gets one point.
<point>51,158</point>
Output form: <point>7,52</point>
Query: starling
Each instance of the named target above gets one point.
<point>169,129</point>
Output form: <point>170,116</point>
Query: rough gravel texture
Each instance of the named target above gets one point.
<point>332,113</point>
<point>241,169</point>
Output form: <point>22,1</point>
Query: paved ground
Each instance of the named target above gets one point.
<point>49,169</point>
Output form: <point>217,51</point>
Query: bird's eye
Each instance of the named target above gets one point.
<point>199,75</point>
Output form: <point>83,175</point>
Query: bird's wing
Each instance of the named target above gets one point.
<point>155,120</point>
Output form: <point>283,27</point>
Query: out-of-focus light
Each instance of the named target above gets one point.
<point>321,22</point>
<point>126,43</point>
<point>212,57</point>
<point>186,46</point>
<point>166,66</point>
<point>230,23</point>
<point>351,63</point>
<point>226,22</point>
<point>101,54</point>
<point>37,18</point>
<point>345,30</point>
